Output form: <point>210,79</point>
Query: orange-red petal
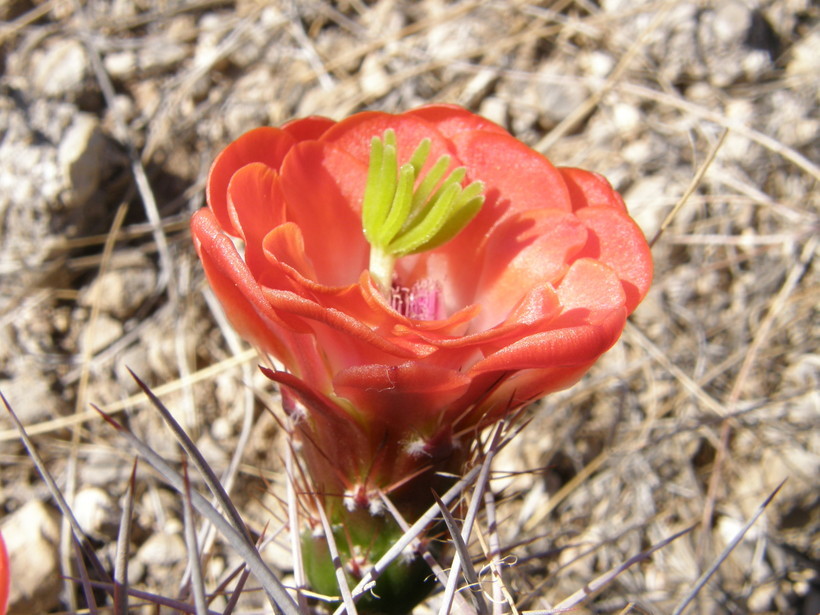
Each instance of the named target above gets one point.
<point>616,240</point>
<point>528,249</point>
<point>588,189</point>
<point>516,177</point>
<point>236,288</point>
<point>255,206</point>
<point>354,135</point>
<point>451,120</point>
<point>323,186</point>
<point>308,128</point>
<point>266,145</point>
<point>406,396</point>
<point>5,576</point>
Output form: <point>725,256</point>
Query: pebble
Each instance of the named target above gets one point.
<point>106,330</point>
<point>556,102</point>
<point>737,147</point>
<point>805,56</point>
<point>61,69</point>
<point>162,549</point>
<point>649,199</point>
<point>120,64</point>
<point>730,22</point>
<point>597,63</point>
<point>627,118</point>
<point>32,535</point>
<point>496,109</point>
<point>120,292</point>
<point>162,56</point>
<point>104,468</point>
<point>221,429</point>
<point>80,156</point>
<point>29,393</point>
<point>373,79</point>
<point>94,510</point>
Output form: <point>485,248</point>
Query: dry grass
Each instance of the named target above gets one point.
<point>707,404</point>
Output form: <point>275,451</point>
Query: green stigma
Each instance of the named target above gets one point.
<point>404,213</point>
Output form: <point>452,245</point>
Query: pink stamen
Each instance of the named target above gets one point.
<point>419,302</point>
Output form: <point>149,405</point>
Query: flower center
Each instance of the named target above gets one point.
<point>404,213</point>
<point>421,301</point>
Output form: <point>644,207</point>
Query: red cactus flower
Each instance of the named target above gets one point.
<point>5,577</point>
<point>479,316</point>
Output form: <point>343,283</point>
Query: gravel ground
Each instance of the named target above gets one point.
<point>703,114</point>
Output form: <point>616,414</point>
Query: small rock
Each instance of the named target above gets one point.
<point>214,454</point>
<point>249,100</point>
<point>133,358</point>
<point>121,65</point>
<point>627,118</point>
<point>221,429</point>
<point>103,468</point>
<point>792,120</point>
<point>120,292</point>
<point>212,30</point>
<point>637,152</point>
<point>80,155</point>
<point>29,392</point>
<point>162,550</point>
<point>805,56</point>
<point>761,599</point>
<point>227,389</point>
<point>161,57</point>
<point>737,147</point>
<point>730,23</point>
<point>557,101</point>
<point>94,510</point>
<point>649,201</point>
<point>495,109</point>
<point>597,63</point>
<point>106,331</point>
<point>32,535</point>
<point>61,69</point>
<point>374,80</point>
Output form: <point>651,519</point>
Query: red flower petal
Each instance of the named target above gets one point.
<point>255,206</point>
<point>529,249</point>
<point>236,288</point>
<point>592,319</point>
<point>590,190</point>
<point>616,240</point>
<point>266,145</point>
<point>344,340</point>
<point>284,246</point>
<point>591,286</point>
<point>451,120</point>
<point>308,128</point>
<point>355,133</point>
<point>517,178</point>
<point>323,187</point>
<point>407,397</point>
<point>561,347</point>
